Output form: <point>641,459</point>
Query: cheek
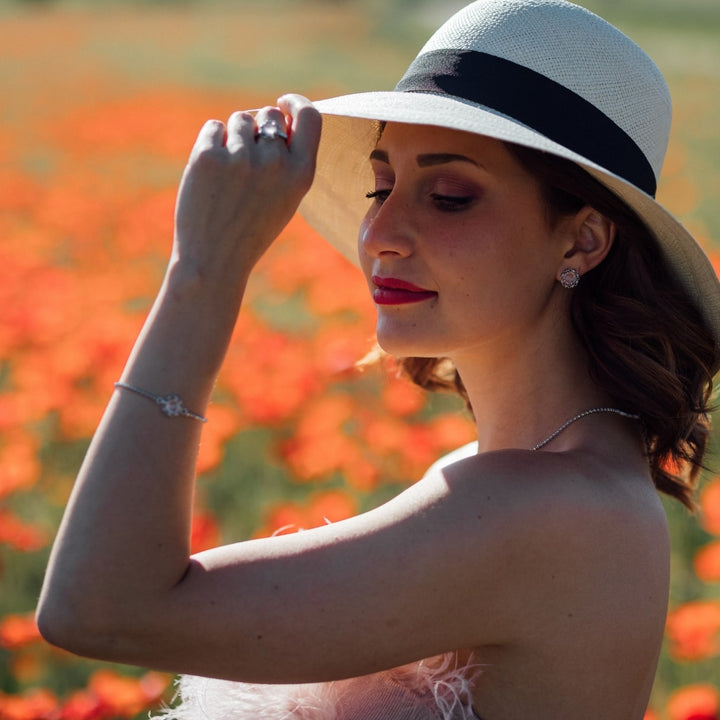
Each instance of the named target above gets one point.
<point>363,256</point>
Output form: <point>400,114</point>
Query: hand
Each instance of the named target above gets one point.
<point>239,190</point>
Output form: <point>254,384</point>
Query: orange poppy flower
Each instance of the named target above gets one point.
<point>81,705</point>
<point>20,535</point>
<point>320,508</point>
<point>33,705</point>
<point>19,465</point>
<point>16,631</point>
<point>338,347</point>
<point>451,430</point>
<point>362,474</point>
<point>694,702</point>
<point>385,434</point>
<point>707,562</point>
<point>401,397</point>
<point>222,424</point>
<point>204,532</point>
<point>710,506</point>
<point>694,630</point>
<point>124,697</point>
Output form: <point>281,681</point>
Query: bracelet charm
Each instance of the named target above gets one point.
<point>170,405</point>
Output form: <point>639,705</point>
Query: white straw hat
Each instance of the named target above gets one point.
<point>547,74</point>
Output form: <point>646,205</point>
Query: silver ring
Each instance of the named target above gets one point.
<point>270,130</point>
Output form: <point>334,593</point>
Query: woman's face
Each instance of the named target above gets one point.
<point>456,246</point>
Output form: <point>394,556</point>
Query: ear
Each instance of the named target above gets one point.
<point>590,237</point>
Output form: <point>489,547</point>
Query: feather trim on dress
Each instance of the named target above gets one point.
<point>433,689</point>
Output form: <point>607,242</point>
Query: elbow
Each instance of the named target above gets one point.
<point>50,625</point>
<point>61,614</point>
<point>61,627</point>
<point>98,631</point>
<point>76,629</point>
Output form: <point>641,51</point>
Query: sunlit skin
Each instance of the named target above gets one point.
<point>550,566</point>
<point>463,220</point>
<point>455,214</point>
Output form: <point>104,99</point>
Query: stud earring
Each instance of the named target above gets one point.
<point>569,278</point>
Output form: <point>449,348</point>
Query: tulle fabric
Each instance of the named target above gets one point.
<point>433,689</point>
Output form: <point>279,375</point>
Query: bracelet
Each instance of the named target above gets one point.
<point>170,405</point>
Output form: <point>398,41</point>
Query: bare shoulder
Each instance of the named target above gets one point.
<point>569,553</point>
<point>574,527</point>
<point>558,489</point>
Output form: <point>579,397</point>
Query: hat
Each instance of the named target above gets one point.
<point>546,74</point>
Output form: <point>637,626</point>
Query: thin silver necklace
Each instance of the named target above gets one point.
<point>580,416</point>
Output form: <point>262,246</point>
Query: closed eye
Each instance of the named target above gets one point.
<point>452,203</point>
<point>380,196</point>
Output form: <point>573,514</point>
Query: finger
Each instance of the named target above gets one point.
<point>271,127</point>
<point>240,130</point>
<point>306,123</point>
<point>211,135</point>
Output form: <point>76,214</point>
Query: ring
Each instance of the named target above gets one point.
<point>270,130</point>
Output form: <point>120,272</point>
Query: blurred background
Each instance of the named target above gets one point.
<point>100,104</point>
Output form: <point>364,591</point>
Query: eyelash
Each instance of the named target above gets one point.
<point>379,195</point>
<point>448,203</point>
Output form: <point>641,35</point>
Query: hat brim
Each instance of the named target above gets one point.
<point>336,202</point>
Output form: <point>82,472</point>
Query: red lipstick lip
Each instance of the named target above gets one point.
<point>393,291</point>
<point>396,284</point>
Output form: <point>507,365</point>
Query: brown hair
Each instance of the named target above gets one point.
<point>648,345</point>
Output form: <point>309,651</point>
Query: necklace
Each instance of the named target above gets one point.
<point>580,416</point>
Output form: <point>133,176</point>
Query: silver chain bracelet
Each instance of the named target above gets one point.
<point>170,405</point>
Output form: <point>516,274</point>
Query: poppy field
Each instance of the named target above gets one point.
<point>100,107</point>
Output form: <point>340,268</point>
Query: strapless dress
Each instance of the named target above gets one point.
<point>433,689</point>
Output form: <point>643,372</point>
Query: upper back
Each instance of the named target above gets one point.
<point>585,551</point>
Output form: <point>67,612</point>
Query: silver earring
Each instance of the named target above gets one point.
<point>569,278</point>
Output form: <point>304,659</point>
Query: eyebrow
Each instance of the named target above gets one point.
<point>427,159</point>
<point>442,158</point>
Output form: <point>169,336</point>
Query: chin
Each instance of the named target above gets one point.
<point>400,347</point>
<point>413,337</point>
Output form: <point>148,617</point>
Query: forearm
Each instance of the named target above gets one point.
<point>124,539</point>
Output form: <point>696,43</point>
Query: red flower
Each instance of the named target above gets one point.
<point>123,697</point>
<point>710,506</point>
<point>707,562</point>
<point>694,702</point>
<point>35,705</point>
<point>22,536</point>
<point>694,630</point>
<point>18,630</point>
<point>321,508</point>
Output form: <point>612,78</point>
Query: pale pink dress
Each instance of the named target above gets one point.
<point>434,689</point>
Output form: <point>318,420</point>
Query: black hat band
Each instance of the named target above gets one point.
<point>536,101</point>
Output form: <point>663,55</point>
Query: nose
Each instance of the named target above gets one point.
<point>387,229</point>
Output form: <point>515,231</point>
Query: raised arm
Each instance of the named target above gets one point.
<point>125,530</point>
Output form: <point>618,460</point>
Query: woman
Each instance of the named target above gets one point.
<point>514,251</point>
